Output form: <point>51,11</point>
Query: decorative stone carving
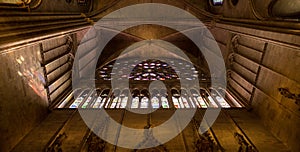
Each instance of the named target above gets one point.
<point>244,145</point>
<point>204,144</point>
<point>150,140</point>
<point>95,143</point>
<point>160,148</point>
<point>286,93</point>
<point>56,145</point>
<point>231,59</point>
<point>235,43</point>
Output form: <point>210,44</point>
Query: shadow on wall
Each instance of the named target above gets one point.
<point>285,8</point>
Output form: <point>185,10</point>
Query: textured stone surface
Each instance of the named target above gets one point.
<point>278,68</point>
<point>23,97</point>
<point>223,128</point>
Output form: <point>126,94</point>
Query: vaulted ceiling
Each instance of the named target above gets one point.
<point>143,32</point>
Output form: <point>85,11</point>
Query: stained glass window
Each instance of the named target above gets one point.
<point>180,102</point>
<point>88,100</point>
<point>141,99</point>
<point>185,102</point>
<point>217,2</point>
<point>135,102</point>
<point>155,102</point>
<point>230,98</point>
<point>149,70</point>
<point>144,102</point>
<point>192,102</point>
<point>114,102</point>
<point>108,102</point>
<point>185,99</point>
<point>219,99</point>
<point>202,102</point>
<point>69,98</point>
<point>124,99</point>
<point>212,102</point>
<point>205,100</point>
<point>164,102</point>
<point>175,102</point>
<point>80,98</point>
<point>98,102</point>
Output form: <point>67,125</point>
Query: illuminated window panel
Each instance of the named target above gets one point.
<point>201,102</point>
<point>69,98</point>
<point>98,102</point>
<point>217,2</point>
<point>135,102</point>
<point>155,102</point>
<point>87,101</point>
<point>104,97</point>
<point>121,100</point>
<point>176,102</point>
<point>192,102</point>
<point>114,102</point>
<point>147,70</point>
<point>185,102</point>
<point>211,101</point>
<point>79,99</point>
<point>180,102</point>
<point>222,102</point>
<point>233,100</point>
<point>164,102</point>
<point>90,100</point>
<point>196,100</point>
<point>76,103</point>
<point>124,102</point>
<point>108,102</point>
<point>144,102</point>
<point>103,102</point>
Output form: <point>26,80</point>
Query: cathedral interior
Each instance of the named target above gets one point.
<point>61,59</point>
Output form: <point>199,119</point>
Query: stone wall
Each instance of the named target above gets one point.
<point>23,99</point>
<point>69,122</point>
<point>259,63</point>
<point>33,77</point>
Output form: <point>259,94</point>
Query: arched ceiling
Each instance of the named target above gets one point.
<point>139,33</point>
<point>102,8</point>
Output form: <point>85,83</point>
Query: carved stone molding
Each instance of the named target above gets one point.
<point>244,146</point>
<point>229,72</point>
<point>213,24</point>
<point>22,4</point>
<point>231,59</point>
<point>150,140</point>
<point>204,144</point>
<point>56,145</point>
<point>235,43</point>
<point>95,144</point>
<point>286,93</point>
